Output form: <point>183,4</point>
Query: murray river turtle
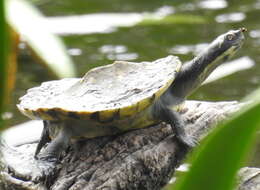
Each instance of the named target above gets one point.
<point>121,96</point>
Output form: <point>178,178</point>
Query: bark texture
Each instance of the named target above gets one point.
<point>249,178</point>
<point>135,160</point>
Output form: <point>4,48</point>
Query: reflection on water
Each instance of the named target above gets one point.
<point>92,23</point>
<point>117,52</point>
<point>231,17</point>
<point>106,31</point>
<point>230,67</point>
<point>185,49</point>
<point>213,4</point>
<point>106,49</point>
<point>254,33</point>
<point>164,11</point>
<point>123,56</point>
<point>74,51</point>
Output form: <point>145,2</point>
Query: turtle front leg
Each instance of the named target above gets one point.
<point>54,149</point>
<point>168,115</point>
<point>45,138</point>
<point>48,158</point>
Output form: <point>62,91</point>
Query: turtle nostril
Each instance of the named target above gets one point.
<point>243,29</point>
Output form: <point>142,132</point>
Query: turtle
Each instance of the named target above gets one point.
<point>123,96</point>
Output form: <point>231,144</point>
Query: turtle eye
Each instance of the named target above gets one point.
<point>230,37</point>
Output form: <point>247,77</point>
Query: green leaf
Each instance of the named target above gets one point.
<point>215,163</point>
<point>3,60</point>
<point>29,23</point>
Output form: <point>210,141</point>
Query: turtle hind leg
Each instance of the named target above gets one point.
<point>172,117</point>
<point>45,138</point>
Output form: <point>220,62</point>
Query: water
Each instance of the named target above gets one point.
<point>190,25</point>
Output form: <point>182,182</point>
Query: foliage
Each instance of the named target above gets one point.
<point>215,163</point>
<point>47,47</point>
<point>3,59</point>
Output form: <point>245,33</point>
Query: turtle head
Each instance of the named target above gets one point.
<point>226,45</point>
<point>194,72</point>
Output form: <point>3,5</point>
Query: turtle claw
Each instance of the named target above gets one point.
<point>47,159</point>
<point>188,141</point>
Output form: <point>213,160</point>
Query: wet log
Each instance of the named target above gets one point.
<point>138,159</point>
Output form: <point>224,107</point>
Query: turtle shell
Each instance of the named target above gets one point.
<point>114,91</point>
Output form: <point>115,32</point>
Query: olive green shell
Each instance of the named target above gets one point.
<point>114,91</point>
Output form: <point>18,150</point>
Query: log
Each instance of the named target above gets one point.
<point>138,159</point>
<point>249,178</point>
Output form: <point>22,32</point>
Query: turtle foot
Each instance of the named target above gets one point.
<point>46,169</point>
<point>46,165</point>
<point>188,141</point>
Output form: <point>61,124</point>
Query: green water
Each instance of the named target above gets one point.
<point>191,23</point>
